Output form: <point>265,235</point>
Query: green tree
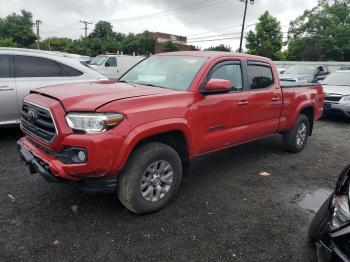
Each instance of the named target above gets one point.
<point>103,30</point>
<point>56,44</point>
<point>146,43</point>
<point>218,48</point>
<point>7,42</point>
<point>170,46</point>
<point>322,33</point>
<point>19,28</point>
<point>268,38</point>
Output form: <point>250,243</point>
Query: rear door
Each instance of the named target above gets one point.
<point>33,72</point>
<point>265,100</point>
<point>9,112</point>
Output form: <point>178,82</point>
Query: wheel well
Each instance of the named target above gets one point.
<point>174,139</point>
<point>309,112</point>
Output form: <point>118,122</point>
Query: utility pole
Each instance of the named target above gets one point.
<point>37,24</point>
<point>86,23</point>
<point>244,16</point>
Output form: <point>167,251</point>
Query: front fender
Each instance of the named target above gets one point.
<point>151,129</point>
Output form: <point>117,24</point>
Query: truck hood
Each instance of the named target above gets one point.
<point>341,90</point>
<point>89,96</point>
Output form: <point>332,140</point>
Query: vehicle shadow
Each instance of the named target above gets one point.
<point>10,133</point>
<point>335,118</point>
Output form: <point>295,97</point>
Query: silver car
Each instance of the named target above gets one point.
<point>22,70</point>
<point>337,93</point>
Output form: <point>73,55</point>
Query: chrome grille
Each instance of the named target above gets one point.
<point>37,120</point>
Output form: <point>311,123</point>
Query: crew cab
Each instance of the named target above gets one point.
<point>138,136</point>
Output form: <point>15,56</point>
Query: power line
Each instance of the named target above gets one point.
<point>219,29</point>
<point>184,8</point>
<point>217,39</point>
<point>59,28</point>
<point>197,38</point>
<point>193,38</point>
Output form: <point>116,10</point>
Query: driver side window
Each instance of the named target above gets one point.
<point>231,72</point>
<point>111,61</point>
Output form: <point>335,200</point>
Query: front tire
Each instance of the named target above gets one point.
<point>295,139</point>
<point>150,179</point>
<point>319,225</point>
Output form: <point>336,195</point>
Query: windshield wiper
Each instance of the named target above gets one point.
<point>153,85</point>
<point>127,82</point>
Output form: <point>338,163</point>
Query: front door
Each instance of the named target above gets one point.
<point>222,117</point>
<point>110,69</point>
<point>9,112</point>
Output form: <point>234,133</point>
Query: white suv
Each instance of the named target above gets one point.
<point>22,70</point>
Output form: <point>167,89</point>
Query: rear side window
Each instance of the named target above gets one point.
<point>4,66</point>
<point>112,61</point>
<point>70,71</point>
<point>259,76</point>
<point>29,66</point>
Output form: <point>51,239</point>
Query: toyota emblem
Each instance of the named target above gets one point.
<point>31,115</point>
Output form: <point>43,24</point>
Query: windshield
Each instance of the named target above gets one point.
<point>171,72</point>
<point>300,70</point>
<point>98,60</point>
<point>338,79</point>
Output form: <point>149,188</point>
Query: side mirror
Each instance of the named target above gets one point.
<point>107,64</point>
<point>217,86</point>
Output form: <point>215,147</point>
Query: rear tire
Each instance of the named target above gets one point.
<point>150,179</point>
<point>295,139</point>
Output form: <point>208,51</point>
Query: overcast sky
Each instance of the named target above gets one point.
<point>190,18</point>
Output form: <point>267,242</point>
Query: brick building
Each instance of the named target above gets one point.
<point>179,41</point>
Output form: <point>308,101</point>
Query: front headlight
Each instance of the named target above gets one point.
<point>93,122</point>
<point>340,204</point>
<point>346,99</point>
<point>341,212</point>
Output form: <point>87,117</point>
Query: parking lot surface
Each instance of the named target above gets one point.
<point>225,211</point>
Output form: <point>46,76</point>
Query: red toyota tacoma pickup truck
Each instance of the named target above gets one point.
<point>137,136</point>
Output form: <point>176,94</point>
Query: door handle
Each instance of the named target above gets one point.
<point>6,88</point>
<point>243,103</point>
<point>275,99</point>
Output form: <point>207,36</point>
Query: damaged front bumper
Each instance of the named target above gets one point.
<point>37,165</point>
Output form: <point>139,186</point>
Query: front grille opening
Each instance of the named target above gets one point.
<point>38,121</point>
<point>333,98</point>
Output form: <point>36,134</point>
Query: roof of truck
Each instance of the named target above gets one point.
<point>213,54</point>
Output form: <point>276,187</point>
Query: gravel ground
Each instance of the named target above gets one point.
<point>224,212</point>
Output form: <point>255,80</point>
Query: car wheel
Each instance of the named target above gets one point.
<point>295,139</point>
<point>319,225</point>
<point>150,179</point>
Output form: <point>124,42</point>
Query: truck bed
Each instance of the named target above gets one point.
<point>290,84</point>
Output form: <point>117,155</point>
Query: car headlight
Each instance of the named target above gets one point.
<point>340,203</point>
<point>346,99</point>
<point>341,212</point>
<point>93,122</point>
